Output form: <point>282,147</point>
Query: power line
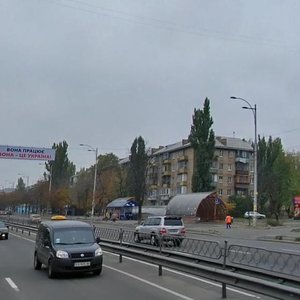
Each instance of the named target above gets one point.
<point>166,25</point>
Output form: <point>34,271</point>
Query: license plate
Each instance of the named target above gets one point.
<point>82,264</point>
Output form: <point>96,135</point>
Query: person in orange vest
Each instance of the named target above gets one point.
<point>228,221</point>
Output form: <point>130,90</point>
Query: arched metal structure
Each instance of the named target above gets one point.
<point>203,206</point>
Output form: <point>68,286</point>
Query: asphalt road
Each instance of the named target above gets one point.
<point>128,280</point>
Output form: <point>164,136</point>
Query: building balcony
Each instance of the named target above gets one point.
<point>166,185</point>
<point>183,158</point>
<point>165,197</point>
<point>167,161</point>
<point>153,186</point>
<point>214,170</point>
<point>166,173</point>
<point>183,183</point>
<point>182,170</point>
<point>242,181</point>
<point>241,172</point>
<point>152,198</point>
<point>242,160</point>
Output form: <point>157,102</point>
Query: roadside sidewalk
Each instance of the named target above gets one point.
<point>289,231</point>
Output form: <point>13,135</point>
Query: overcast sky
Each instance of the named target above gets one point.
<point>102,72</point>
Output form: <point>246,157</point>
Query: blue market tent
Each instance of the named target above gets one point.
<point>124,208</point>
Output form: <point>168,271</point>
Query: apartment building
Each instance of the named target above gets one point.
<point>172,166</point>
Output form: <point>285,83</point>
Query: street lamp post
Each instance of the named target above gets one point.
<point>255,153</point>
<point>90,148</point>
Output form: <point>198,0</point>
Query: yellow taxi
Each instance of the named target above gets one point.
<point>58,218</point>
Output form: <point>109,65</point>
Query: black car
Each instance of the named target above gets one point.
<point>67,246</point>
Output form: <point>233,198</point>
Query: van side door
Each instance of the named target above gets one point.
<point>45,246</point>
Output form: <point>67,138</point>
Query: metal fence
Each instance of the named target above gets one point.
<point>280,264</point>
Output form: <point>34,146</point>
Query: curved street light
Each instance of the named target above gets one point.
<point>255,151</point>
<point>90,148</point>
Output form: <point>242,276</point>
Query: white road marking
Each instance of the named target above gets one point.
<point>12,284</point>
<point>150,283</point>
<point>189,276</point>
<point>21,237</point>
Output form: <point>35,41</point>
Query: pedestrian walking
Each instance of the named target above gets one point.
<point>228,221</point>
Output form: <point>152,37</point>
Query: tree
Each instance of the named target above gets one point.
<point>137,172</point>
<point>293,159</point>
<point>61,169</point>
<point>20,185</point>
<point>202,139</point>
<point>241,205</point>
<point>274,176</point>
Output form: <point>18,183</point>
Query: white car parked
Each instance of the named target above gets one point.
<point>254,214</point>
<point>167,228</point>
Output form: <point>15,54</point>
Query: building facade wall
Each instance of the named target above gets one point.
<point>170,172</point>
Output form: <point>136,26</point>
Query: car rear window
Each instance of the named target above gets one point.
<point>173,222</point>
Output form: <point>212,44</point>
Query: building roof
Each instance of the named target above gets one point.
<point>233,143</point>
<point>173,147</point>
<point>121,202</point>
<point>185,204</point>
<point>220,142</point>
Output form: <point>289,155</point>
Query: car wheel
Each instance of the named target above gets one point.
<point>36,263</point>
<point>153,240</point>
<point>51,274</point>
<point>137,237</point>
<point>6,236</point>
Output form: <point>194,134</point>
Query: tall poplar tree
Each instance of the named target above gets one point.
<point>202,139</point>
<point>137,171</point>
<point>61,168</point>
<point>275,187</point>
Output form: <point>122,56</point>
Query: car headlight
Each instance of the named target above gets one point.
<point>98,252</point>
<point>62,254</point>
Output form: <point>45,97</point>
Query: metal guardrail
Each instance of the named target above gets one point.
<point>252,283</point>
<point>187,257</point>
<point>237,256</point>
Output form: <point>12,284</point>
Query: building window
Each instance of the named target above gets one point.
<point>220,192</point>
<point>182,164</point>
<point>181,177</point>
<point>229,192</point>
<point>221,153</point>
<point>220,179</point>
<point>229,179</point>
<point>215,178</point>
<point>229,167</point>
<point>165,191</point>
<point>220,166</point>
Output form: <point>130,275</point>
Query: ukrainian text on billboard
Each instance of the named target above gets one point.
<point>28,153</point>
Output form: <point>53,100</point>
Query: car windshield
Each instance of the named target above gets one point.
<point>72,236</point>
